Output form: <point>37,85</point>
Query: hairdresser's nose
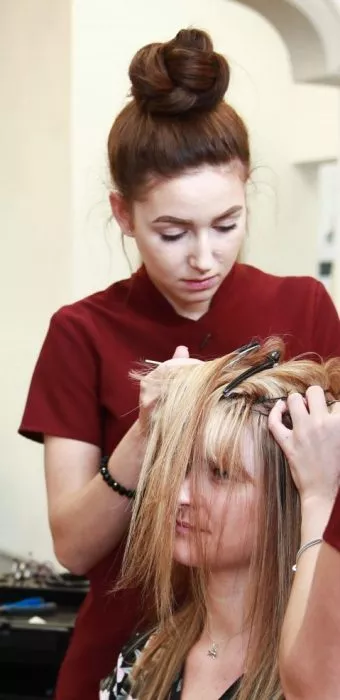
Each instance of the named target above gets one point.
<point>201,256</point>
<point>184,494</point>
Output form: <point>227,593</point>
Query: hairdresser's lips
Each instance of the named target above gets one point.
<point>196,285</point>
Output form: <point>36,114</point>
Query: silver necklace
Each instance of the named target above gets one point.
<point>213,651</point>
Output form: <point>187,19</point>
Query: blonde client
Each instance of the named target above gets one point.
<point>218,524</point>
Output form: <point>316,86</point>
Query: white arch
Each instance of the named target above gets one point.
<point>311,30</point>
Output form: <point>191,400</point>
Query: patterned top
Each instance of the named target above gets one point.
<point>117,686</point>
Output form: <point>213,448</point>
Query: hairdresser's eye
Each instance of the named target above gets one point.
<point>170,238</point>
<point>225,229</point>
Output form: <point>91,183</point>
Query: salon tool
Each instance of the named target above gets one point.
<point>28,606</point>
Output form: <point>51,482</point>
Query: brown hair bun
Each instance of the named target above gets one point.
<point>182,75</point>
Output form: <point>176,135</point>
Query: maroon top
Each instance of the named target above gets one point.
<point>80,390</point>
<point>332,532</point>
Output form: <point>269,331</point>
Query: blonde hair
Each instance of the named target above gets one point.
<point>193,426</point>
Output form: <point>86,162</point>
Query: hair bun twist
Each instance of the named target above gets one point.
<point>180,76</point>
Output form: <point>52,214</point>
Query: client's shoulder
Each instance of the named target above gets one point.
<point>118,684</point>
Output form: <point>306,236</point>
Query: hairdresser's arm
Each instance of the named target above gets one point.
<point>87,518</point>
<point>313,451</point>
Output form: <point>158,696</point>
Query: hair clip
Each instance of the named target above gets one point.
<point>271,360</point>
<point>270,399</point>
<point>244,350</point>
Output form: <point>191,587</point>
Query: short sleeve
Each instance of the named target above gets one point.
<point>63,398</point>
<point>332,532</point>
<point>326,331</point>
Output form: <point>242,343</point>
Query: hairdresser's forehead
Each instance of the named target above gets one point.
<point>206,191</point>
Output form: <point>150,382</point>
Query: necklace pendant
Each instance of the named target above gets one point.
<point>212,652</point>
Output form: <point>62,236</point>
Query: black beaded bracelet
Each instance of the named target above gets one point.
<point>115,485</point>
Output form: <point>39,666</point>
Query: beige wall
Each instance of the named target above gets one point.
<point>56,244</point>
<point>288,123</point>
<point>35,238</point>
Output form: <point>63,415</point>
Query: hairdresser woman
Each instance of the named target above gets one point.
<point>179,161</point>
<point>310,642</point>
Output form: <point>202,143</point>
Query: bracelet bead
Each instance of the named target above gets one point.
<point>112,483</point>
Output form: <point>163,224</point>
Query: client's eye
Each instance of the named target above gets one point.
<point>218,474</point>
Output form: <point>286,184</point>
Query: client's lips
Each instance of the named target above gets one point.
<point>182,523</point>
<point>187,527</point>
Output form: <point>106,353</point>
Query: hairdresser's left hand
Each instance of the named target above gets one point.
<point>152,383</point>
<point>312,447</point>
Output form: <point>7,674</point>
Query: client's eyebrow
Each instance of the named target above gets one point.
<point>176,220</point>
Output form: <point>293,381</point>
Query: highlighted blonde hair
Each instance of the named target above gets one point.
<point>192,427</point>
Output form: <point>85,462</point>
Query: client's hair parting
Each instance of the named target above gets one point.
<point>193,425</point>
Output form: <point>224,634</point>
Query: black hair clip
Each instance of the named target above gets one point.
<point>264,404</point>
<point>244,350</point>
<point>271,360</point>
<point>271,399</point>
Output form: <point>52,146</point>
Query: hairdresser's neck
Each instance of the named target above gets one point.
<point>226,604</point>
<point>192,310</point>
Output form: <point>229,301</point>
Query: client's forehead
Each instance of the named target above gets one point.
<point>223,438</point>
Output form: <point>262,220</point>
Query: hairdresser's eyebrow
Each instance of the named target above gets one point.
<point>230,212</point>
<point>175,220</point>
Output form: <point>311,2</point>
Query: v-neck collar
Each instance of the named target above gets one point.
<point>147,300</point>
<point>176,690</point>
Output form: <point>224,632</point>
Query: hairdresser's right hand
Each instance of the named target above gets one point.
<point>151,384</point>
<point>312,447</point>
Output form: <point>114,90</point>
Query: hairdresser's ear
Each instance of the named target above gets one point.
<point>121,213</point>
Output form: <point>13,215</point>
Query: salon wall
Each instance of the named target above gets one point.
<point>57,241</point>
<point>35,241</point>
<point>289,124</point>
